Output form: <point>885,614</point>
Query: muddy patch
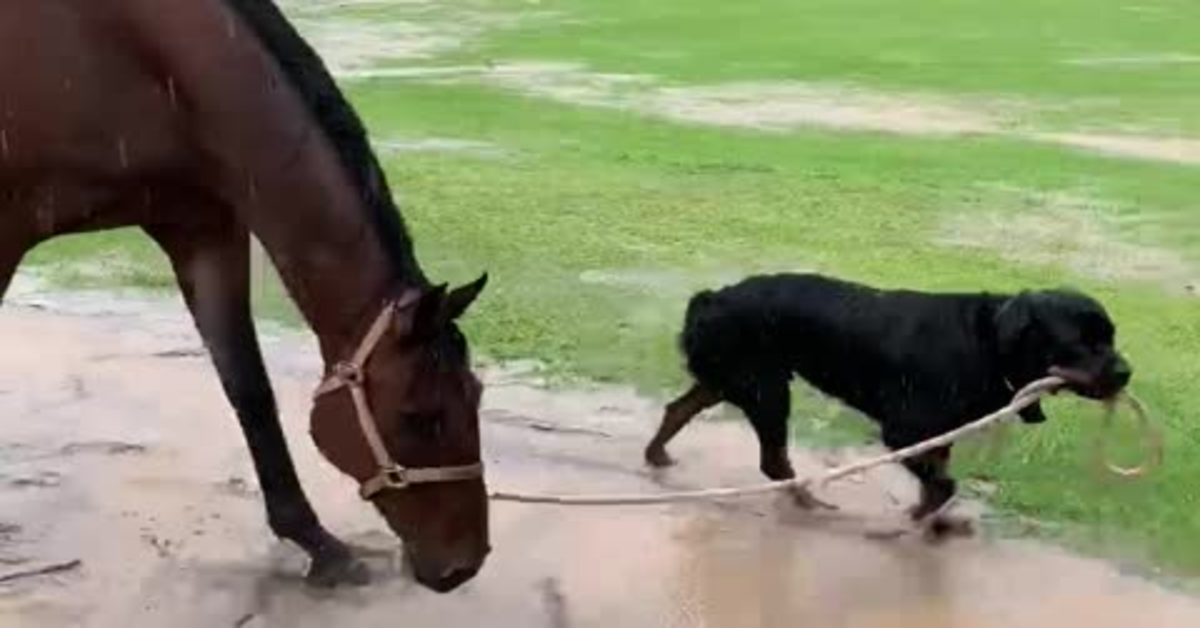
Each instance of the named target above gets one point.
<point>788,105</point>
<point>675,285</point>
<point>571,83</point>
<point>784,106</point>
<point>1069,230</point>
<point>440,145</point>
<point>369,40</point>
<point>347,44</point>
<point>1136,62</point>
<point>770,106</point>
<point>1166,149</point>
<point>355,38</point>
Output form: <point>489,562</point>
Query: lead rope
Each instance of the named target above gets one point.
<point>1151,435</point>
<point>1025,397</point>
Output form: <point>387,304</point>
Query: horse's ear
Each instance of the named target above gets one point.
<point>425,312</point>
<point>461,298</point>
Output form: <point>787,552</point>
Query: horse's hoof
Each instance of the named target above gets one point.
<point>807,501</point>
<point>659,458</point>
<point>334,571</point>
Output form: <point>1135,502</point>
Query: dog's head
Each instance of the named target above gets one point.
<point>1063,333</point>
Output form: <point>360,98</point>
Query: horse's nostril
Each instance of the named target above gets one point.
<point>451,579</point>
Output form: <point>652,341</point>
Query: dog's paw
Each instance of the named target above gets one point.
<point>930,508</point>
<point>942,526</point>
<point>920,512</point>
<point>658,458</point>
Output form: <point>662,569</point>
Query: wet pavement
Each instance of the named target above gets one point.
<point>118,450</point>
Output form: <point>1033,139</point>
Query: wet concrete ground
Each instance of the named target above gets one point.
<point>118,450</point>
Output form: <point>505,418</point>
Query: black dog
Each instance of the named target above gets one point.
<point>918,364</point>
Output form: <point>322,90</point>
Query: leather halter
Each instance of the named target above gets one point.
<point>350,374</point>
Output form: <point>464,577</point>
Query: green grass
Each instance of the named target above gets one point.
<point>1019,48</point>
<point>597,224</point>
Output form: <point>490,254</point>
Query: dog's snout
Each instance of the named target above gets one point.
<point>1122,372</point>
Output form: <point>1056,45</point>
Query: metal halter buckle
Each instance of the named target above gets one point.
<point>395,477</point>
<point>348,372</point>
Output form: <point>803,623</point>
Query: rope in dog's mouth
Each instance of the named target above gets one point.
<point>1025,397</point>
<point>1150,433</point>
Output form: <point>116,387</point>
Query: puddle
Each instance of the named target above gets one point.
<point>171,533</point>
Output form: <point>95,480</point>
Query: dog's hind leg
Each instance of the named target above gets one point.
<point>767,403</point>
<point>678,414</point>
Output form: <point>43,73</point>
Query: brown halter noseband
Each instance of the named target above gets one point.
<point>350,374</point>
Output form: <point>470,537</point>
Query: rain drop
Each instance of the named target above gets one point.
<point>123,153</point>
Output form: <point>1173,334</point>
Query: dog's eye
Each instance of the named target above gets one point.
<point>1095,331</point>
<point>1097,336</point>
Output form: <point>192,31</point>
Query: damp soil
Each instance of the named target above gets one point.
<point>118,451</point>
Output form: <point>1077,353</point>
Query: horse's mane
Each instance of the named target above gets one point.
<point>324,100</point>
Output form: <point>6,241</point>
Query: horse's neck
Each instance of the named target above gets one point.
<point>327,250</point>
<point>278,169</point>
<point>311,220</point>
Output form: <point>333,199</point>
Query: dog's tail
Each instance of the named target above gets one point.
<point>694,322</point>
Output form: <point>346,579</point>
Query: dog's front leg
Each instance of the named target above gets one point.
<point>937,487</point>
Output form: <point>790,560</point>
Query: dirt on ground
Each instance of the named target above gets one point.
<point>118,451</point>
<point>1071,229</point>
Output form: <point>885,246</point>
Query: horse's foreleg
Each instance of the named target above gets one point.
<point>213,269</point>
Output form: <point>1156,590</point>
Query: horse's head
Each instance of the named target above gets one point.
<point>402,417</point>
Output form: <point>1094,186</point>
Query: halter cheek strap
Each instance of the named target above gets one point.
<point>350,374</point>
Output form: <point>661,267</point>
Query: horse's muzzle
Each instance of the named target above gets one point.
<point>445,577</point>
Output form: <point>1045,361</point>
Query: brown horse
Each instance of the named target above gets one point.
<point>201,122</point>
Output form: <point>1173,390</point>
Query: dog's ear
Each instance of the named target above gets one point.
<point>1012,322</point>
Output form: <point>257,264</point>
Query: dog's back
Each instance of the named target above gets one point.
<point>845,338</point>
